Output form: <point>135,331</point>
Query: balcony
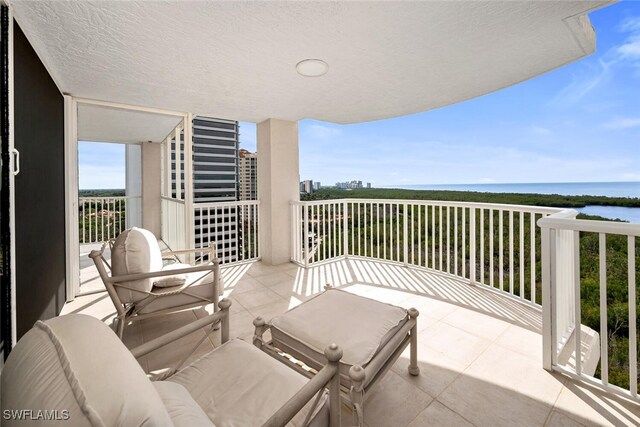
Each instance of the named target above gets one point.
<point>502,337</point>
<point>480,276</point>
<point>480,352</point>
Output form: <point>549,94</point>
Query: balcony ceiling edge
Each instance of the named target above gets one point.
<point>238,60</point>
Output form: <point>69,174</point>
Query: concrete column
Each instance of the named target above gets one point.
<point>151,186</point>
<point>133,184</point>
<point>278,185</point>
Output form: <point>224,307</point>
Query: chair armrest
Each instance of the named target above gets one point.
<point>187,251</point>
<point>329,376</point>
<point>139,276</point>
<point>219,316</point>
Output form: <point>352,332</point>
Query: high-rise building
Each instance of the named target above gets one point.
<point>215,179</point>
<point>316,185</point>
<point>368,185</point>
<point>306,186</point>
<point>248,175</point>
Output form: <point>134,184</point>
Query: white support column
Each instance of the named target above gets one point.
<point>133,185</point>
<point>151,187</point>
<point>72,246</point>
<point>188,182</point>
<point>278,185</point>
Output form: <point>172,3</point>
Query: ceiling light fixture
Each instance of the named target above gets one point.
<point>312,68</point>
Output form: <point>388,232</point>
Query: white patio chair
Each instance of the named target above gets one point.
<point>140,286</point>
<point>75,371</point>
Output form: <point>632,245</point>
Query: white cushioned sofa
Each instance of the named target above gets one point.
<point>75,367</point>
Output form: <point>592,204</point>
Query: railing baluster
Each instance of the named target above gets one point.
<point>633,344</point>
<point>501,248</point>
<point>323,214</point>
<point>482,268</point>
<point>491,248</point>
<point>353,226</point>
<point>433,237</point>
<point>420,235</point>
<point>305,234</point>
<point>532,243</point>
<point>371,229</point>
<point>604,329</point>
<point>521,268</point>
<point>472,245</point>
<point>397,232</point>
<point>464,242</point>
<point>448,241</point>
<point>413,237</point>
<point>576,301</point>
<point>455,240</point>
<point>405,234</point>
<point>384,229</point>
<point>511,278</point>
<point>83,222</point>
<point>440,237</point>
<point>378,229</point>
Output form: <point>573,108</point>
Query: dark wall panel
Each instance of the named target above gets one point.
<point>40,218</point>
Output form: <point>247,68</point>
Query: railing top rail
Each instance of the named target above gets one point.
<point>171,199</point>
<point>588,225</point>
<point>495,206</point>
<point>205,205</point>
<point>89,198</point>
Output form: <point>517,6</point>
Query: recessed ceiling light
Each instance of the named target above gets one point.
<point>312,67</point>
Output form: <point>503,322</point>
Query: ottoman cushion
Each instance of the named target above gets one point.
<point>359,325</point>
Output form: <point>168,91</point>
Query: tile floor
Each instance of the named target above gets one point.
<point>479,352</point>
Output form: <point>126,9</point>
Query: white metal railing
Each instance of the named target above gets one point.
<point>563,239</point>
<point>232,227</point>
<point>173,224</point>
<point>533,254</point>
<point>104,218</point>
<point>492,244</point>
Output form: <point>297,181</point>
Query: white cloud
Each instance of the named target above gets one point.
<point>622,123</point>
<point>582,84</point>
<point>630,49</point>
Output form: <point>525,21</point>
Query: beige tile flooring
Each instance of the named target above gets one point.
<point>479,352</point>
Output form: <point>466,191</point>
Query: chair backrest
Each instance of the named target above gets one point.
<point>135,250</point>
<point>75,363</point>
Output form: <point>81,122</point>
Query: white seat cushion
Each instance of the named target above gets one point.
<point>183,410</point>
<point>76,363</point>
<point>360,326</point>
<point>238,385</point>
<point>198,283</point>
<point>135,250</point>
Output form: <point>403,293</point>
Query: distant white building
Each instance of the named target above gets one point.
<point>316,185</point>
<point>248,175</point>
<point>306,186</point>
<point>368,185</point>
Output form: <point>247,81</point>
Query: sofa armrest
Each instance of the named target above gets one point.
<point>328,376</point>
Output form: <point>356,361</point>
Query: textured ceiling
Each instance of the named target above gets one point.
<point>103,124</point>
<point>237,59</point>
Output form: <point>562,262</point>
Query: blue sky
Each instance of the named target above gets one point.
<point>579,123</point>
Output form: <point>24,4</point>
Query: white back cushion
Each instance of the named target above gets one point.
<point>75,362</point>
<point>135,250</point>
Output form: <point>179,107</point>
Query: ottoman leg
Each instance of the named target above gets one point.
<point>356,392</point>
<point>413,361</point>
